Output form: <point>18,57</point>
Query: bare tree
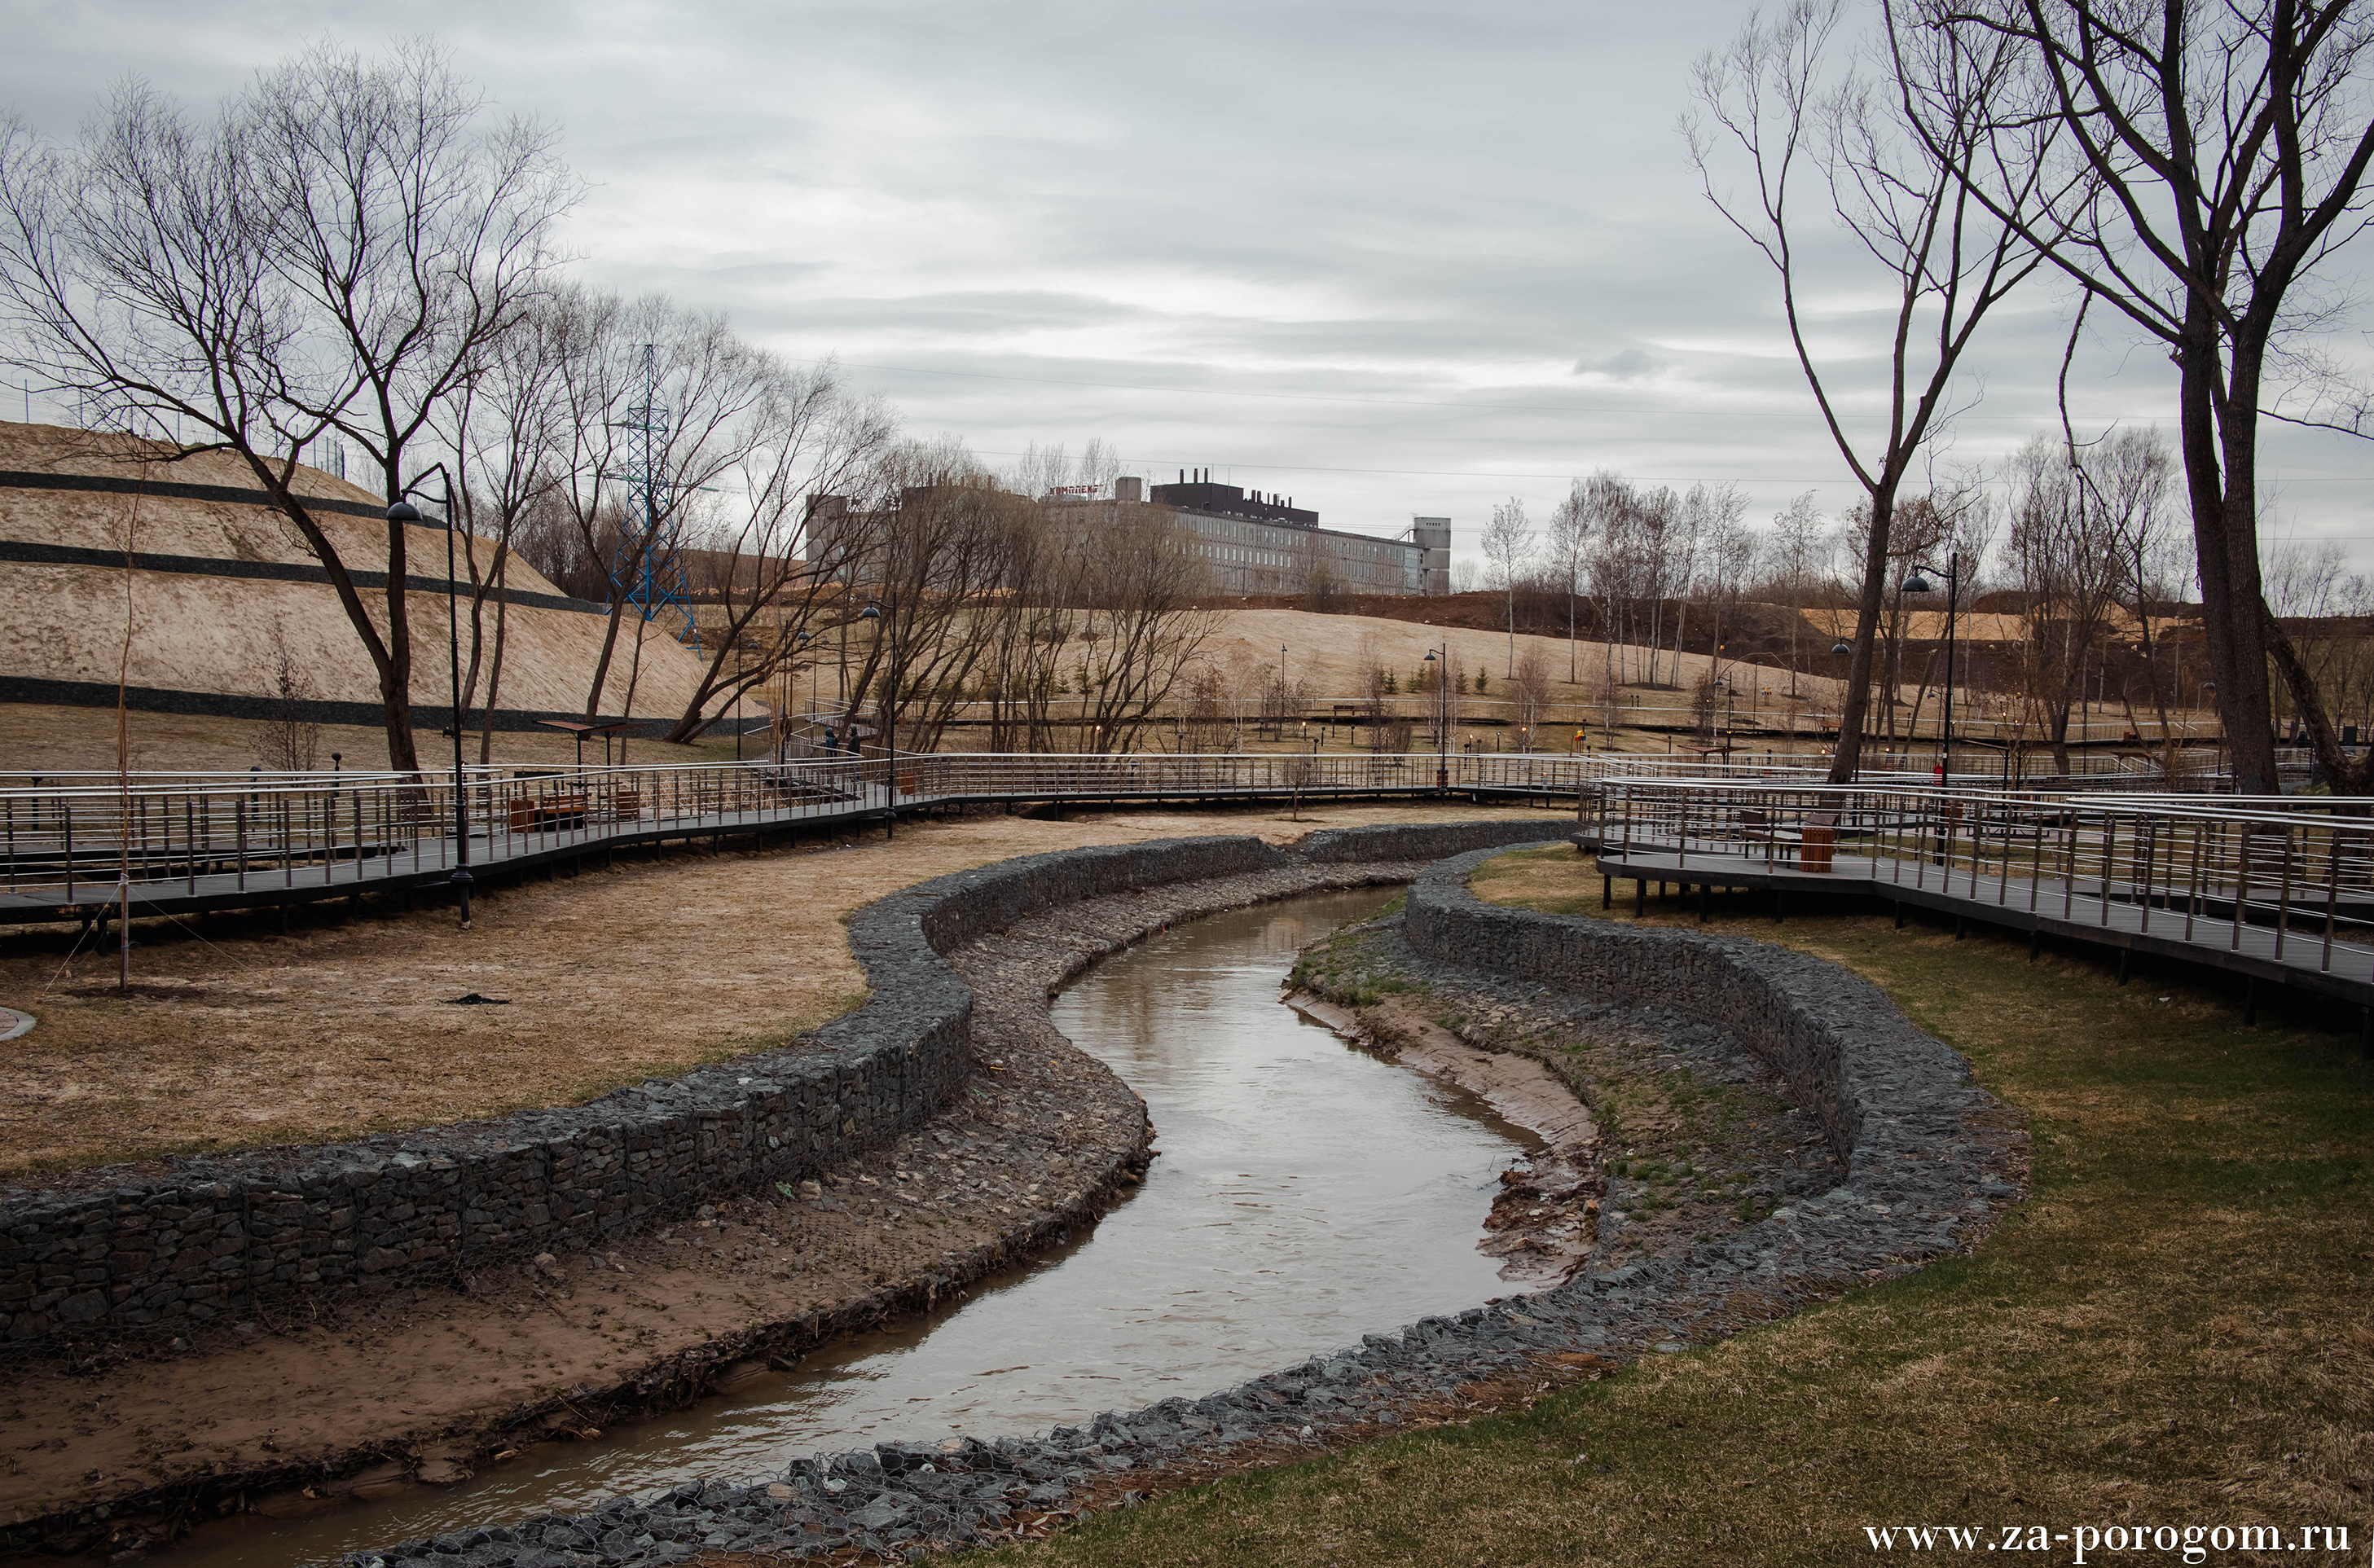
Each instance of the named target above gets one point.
<point>664,408</point>
<point>1508,542</point>
<point>332,254</point>
<point>1140,618</point>
<point>1567,550</point>
<point>772,577</point>
<point>290,739</point>
<point>1733,556</point>
<point>1611,514</point>
<point>1529,692</point>
<point>2210,165</point>
<point>1798,558</point>
<point>504,427</point>
<point>1789,98</point>
<point>2069,559</point>
<point>1707,511</point>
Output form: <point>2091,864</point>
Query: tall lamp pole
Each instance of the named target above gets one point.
<point>404,512</point>
<point>1441,718</point>
<point>1916,583</point>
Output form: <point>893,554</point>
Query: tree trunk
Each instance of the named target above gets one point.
<point>1849,756</point>
<point>2225,536</point>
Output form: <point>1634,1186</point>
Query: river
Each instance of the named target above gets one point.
<point>1307,1194</point>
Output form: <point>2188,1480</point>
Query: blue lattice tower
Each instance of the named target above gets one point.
<point>648,570</point>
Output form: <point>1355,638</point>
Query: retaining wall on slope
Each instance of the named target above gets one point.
<point>1891,1099</point>
<point>106,1251</point>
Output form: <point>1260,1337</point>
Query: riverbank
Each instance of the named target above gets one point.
<point>642,968</point>
<point>1922,1145</point>
<point>286,1416</point>
<point>2166,1332</point>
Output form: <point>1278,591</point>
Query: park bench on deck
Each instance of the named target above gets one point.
<point>1758,827</point>
<point>545,813</point>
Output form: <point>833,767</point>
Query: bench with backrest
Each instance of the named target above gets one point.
<point>1758,826</point>
<point>545,814</point>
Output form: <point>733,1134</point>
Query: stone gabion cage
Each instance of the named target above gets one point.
<point>106,1252</point>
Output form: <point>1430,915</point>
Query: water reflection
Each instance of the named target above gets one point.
<point>1307,1194</point>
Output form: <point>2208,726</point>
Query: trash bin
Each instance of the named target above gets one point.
<point>1819,843</point>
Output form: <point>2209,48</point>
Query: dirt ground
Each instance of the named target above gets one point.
<point>302,1406</point>
<point>278,1412</point>
<point>244,1036</point>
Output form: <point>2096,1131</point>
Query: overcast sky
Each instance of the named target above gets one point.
<point>1390,259</point>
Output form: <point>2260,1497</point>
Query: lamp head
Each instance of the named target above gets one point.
<point>1843,650</point>
<point>1916,583</point>
<point>1429,656</point>
<point>403,511</point>
<point>869,613</point>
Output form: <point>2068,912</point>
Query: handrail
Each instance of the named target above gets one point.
<point>2262,876</point>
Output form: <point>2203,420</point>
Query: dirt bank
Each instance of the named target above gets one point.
<point>638,971</point>
<point>285,1417</point>
<point>1544,1220</point>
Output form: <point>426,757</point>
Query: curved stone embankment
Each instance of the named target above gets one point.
<point>153,1250</point>
<point>408,1385</point>
<point>1926,1154</point>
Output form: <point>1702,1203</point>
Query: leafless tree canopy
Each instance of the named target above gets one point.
<point>1798,110</point>
<point>333,252</point>
<point>2206,163</point>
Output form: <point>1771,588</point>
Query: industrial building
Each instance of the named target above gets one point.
<point>1257,543</point>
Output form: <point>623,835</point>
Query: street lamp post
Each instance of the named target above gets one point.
<point>1916,583</point>
<point>398,515</point>
<point>1840,650</point>
<point>1441,718</point>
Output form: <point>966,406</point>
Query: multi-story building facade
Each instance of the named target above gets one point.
<point>1249,542</point>
<point>1258,544</point>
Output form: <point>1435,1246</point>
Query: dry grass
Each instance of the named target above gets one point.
<point>250,1037</point>
<point>42,737</point>
<point>2172,1331</point>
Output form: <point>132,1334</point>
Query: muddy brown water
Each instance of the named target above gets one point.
<point>1307,1193</point>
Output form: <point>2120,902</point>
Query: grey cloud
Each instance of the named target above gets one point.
<point>1632,364</point>
<point>1407,204</point>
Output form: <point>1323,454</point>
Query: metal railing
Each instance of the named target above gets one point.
<point>70,843</point>
<point>2288,877</point>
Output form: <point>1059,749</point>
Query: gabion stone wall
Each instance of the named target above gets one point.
<point>104,1251</point>
<point>1887,1093</point>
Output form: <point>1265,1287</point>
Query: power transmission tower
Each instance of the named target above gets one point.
<point>648,570</point>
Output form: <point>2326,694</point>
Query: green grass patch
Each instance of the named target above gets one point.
<point>2172,1329</point>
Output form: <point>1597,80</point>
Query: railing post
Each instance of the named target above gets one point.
<point>2284,894</point>
<point>2149,845</point>
<point>2036,866</point>
<point>2192,890</point>
<point>2109,858</point>
<point>2242,886</point>
<point>2331,893</point>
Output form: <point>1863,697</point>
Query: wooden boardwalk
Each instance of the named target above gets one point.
<point>209,871</point>
<point>2311,960</point>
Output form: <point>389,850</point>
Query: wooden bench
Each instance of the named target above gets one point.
<point>546,813</point>
<point>1756,827</point>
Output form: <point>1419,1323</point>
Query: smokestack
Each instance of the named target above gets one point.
<point>1183,476</point>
